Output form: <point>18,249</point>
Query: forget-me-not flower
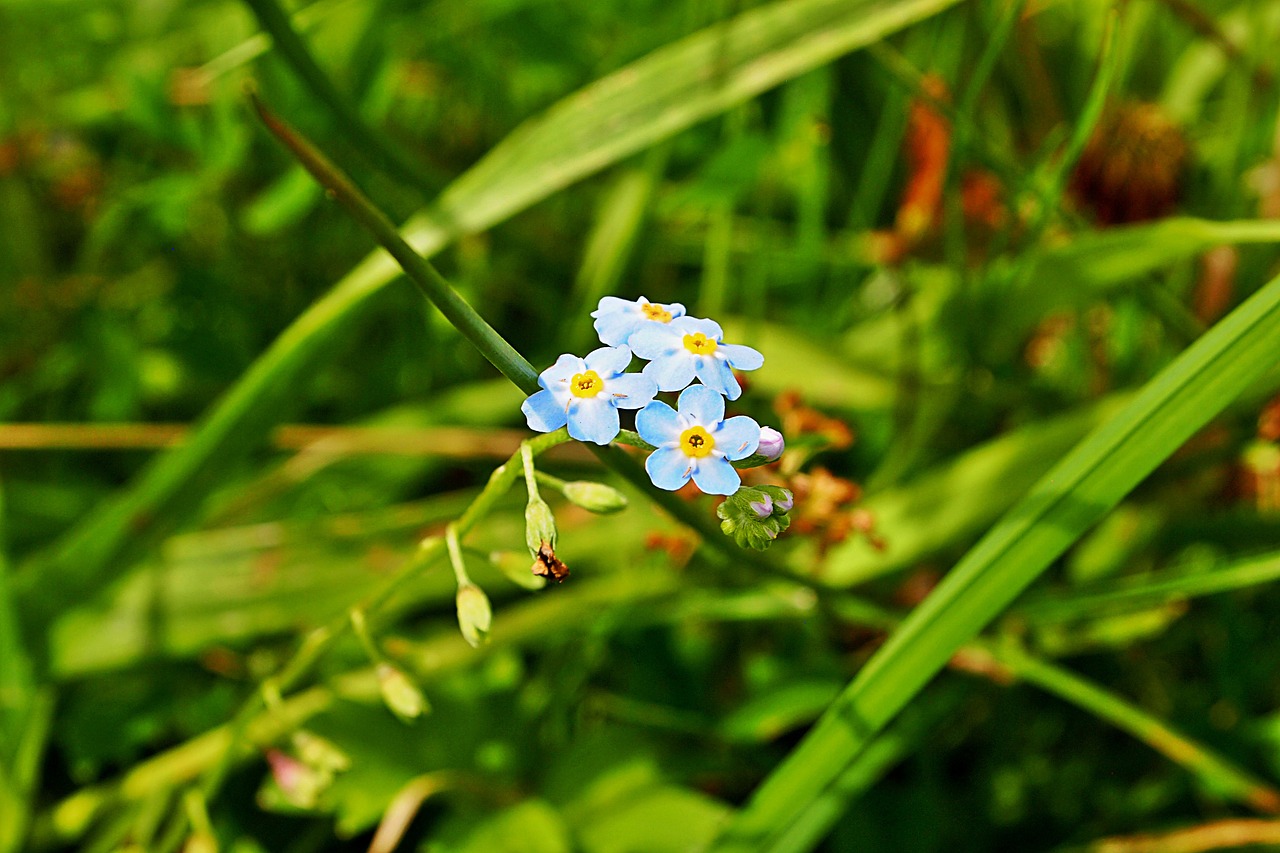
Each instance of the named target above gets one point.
<point>696,442</point>
<point>617,319</point>
<point>687,347</point>
<point>586,394</point>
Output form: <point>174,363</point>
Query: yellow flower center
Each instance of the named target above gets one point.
<point>699,344</point>
<point>656,312</point>
<point>696,442</point>
<point>586,384</point>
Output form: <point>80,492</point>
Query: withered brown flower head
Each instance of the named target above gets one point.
<point>1132,168</point>
<point>547,565</point>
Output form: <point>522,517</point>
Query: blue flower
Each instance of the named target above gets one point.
<point>687,347</point>
<point>617,319</point>
<point>696,442</point>
<point>586,394</point>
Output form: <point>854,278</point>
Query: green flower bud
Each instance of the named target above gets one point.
<point>400,694</point>
<point>320,754</point>
<point>595,497</point>
<point>474,614</point>
<point>539,525</point>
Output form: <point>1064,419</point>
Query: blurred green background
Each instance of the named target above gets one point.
<point>962,234</point>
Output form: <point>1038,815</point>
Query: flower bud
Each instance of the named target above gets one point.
<point>320,754</point>
<point>474,614</point>
<point>771,443</point>
<point>763,508</point>
<point>296,784</point>
<point>539,525</point>
<point>400,694</point>
<point>595,497</point>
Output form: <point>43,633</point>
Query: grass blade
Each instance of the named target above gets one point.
<point>1072,497</point>
<point>613,118</point>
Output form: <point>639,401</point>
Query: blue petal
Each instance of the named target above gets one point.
<point>668,468</point>
<point>543,413</point>
<point>609,361</point>
<point>716,476</point>
<point>740,357</point>
<point>659,424</point>
<point>676,309</point>
<point>612,305</point>
<point>671,372</point>
<point>630,390</point>
<point>617,328</point>
<point>737,438</point>
<point>715,374</point>
<point>593,419</point>
<point>653,340</point>
<point>689,325</point>
<point>562,371</point>
<point>703,404</point>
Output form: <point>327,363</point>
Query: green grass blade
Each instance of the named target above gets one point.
<point>1066,502</point>
<point>1216,773</point>
<point>642,103</point>
<point>1154,591</point>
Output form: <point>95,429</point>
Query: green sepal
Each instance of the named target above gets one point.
<point>741,522</point>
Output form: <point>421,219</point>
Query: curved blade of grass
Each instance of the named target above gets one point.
<point>1212,770</point>
<point>1066,502</point>
<point>613,118</point>
<point>1138,593</point>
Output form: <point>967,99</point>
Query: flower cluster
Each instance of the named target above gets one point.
<point>694,440</point>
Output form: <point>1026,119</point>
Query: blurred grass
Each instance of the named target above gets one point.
<point>946,308</point>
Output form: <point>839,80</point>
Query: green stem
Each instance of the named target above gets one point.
<point>294,51</point>
<point>455,555</point>
<point>321,640</point>
<point>433,285</point>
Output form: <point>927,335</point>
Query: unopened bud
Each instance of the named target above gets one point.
<point>296,784</point>
<point>400,694</point>
<point>763,508</point>
<point>319,753</point>
<point>771,443</point>
<point>595,497</point>
<point>539,525</point>
<point>474,614</point>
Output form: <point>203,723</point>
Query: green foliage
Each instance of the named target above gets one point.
<point>226,639</point>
